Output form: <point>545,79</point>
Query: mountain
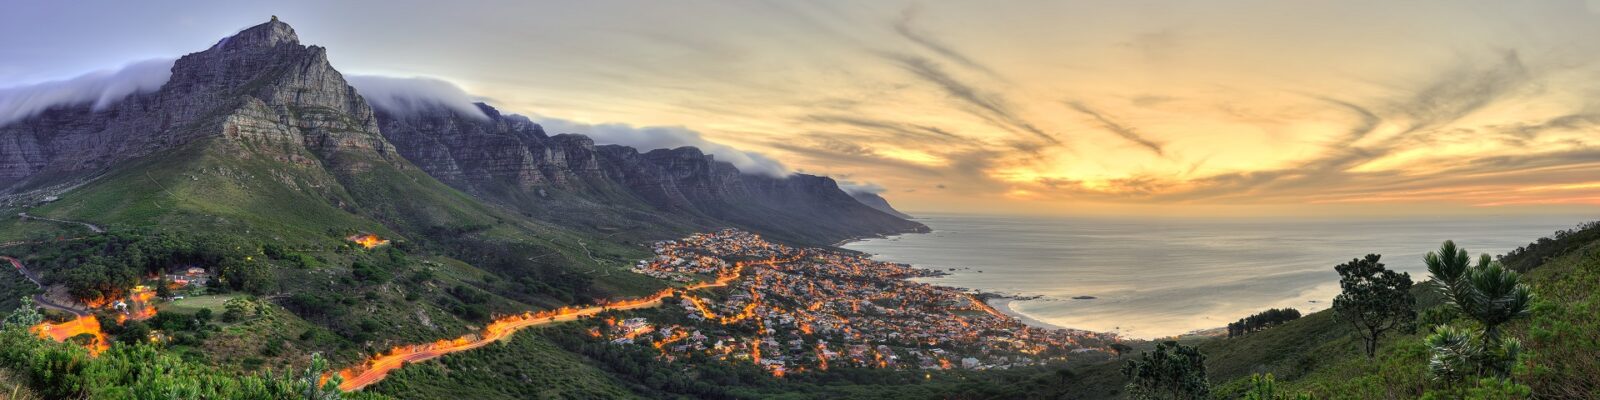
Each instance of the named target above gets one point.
<point>878,203</point>
<point>259,141</point>
<point>256,161</point>
<point>261,96</point>
<point>512,160</point>
<point>257,148</point>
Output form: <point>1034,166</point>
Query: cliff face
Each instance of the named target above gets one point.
<point>260,94</point>
<point>258,89</point>
<point>879,203</point>
<point>487,155</point>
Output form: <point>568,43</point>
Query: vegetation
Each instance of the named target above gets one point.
<point>563,362</point>
<point>1262,320</point>
<point>26,315</point>
<point>1489,295</point>
<point>1526,258</point>
<point>100,267</point>
<point>1375,300</point>
<point>141,371</point>
<point>1171,372</point>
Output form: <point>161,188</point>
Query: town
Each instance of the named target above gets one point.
<point>830,308</point>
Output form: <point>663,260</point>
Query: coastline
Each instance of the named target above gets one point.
<point>1003,304</point>
<point>1000,302</point>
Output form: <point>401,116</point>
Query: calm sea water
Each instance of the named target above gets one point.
<point>1154,278</point>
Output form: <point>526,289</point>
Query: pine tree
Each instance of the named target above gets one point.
<point>1375,300</point>
<point>1170,372</point>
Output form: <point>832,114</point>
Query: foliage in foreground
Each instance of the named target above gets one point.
<point>1171,371</point>
<point>1490,296</point>
<point>142,371</point>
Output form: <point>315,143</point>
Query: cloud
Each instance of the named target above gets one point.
<point>899,130</point>
<point>903,27</point>
<point>101,88</point>
<point>983,104</point>
<point>404,95</point>
<point>407,95</point>
<point>661,137</point>
<point>854,187</point>
<point>1126,132</point>
<point>1369,121</point>
<point>1460,92</point>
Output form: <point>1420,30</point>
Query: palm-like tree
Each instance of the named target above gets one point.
<point>1448,267</point>
<point>1497,298</point>
<point>1448,264</point>
<point>1488,293</point>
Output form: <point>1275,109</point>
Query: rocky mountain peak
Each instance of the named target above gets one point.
<point>264,36</point>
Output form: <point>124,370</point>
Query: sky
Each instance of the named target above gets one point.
<point>1180,108</point>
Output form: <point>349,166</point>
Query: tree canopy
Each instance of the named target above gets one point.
<point>1374,299</point>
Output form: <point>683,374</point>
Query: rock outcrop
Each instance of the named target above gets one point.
<point>259,89</point>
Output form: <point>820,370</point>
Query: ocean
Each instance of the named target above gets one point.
<point>1155,278</point>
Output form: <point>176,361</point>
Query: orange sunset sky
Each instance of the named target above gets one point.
<point>1215,108</point>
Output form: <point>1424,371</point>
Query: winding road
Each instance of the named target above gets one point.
<point>92,227</point>
<point>378,367</point>
<point>41,299</point>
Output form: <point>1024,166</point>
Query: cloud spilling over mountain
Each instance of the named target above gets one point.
<point>101,88</point>
<point>407,95</point>
<point>853,187</point>
<point>666,137</point>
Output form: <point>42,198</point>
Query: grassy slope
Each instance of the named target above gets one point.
<point>213,187</point>
<point>1559,334</point>
<point>523,367</point>
<point>1320,354</point>
<point>200,187</point>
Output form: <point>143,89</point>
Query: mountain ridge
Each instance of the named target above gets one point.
<point>261,90</point>
<point>513,160</point>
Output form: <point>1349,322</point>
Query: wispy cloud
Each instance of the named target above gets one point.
<point>988,106</point>
<point>896,129</point>
<point>903,26</point>
<point>1125,131</point>
<point>1461,91</point>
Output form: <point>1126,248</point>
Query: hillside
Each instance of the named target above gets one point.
<point>1319,354</point>
<point>257,165</point>
<point>255,162</point>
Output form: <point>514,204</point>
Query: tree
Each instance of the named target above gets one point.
<point>1498,296</point>
<point>1266,388</point>
<point>312,380</point>
<point>1170,372</point>
<point>1488,293</point>
<point>1262,320</point>
<point>25,316</point>
<point>1374,299</point>
<point>164,288</point>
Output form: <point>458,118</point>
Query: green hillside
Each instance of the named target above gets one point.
<point>1320,355</point>
<point>271,224</point>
